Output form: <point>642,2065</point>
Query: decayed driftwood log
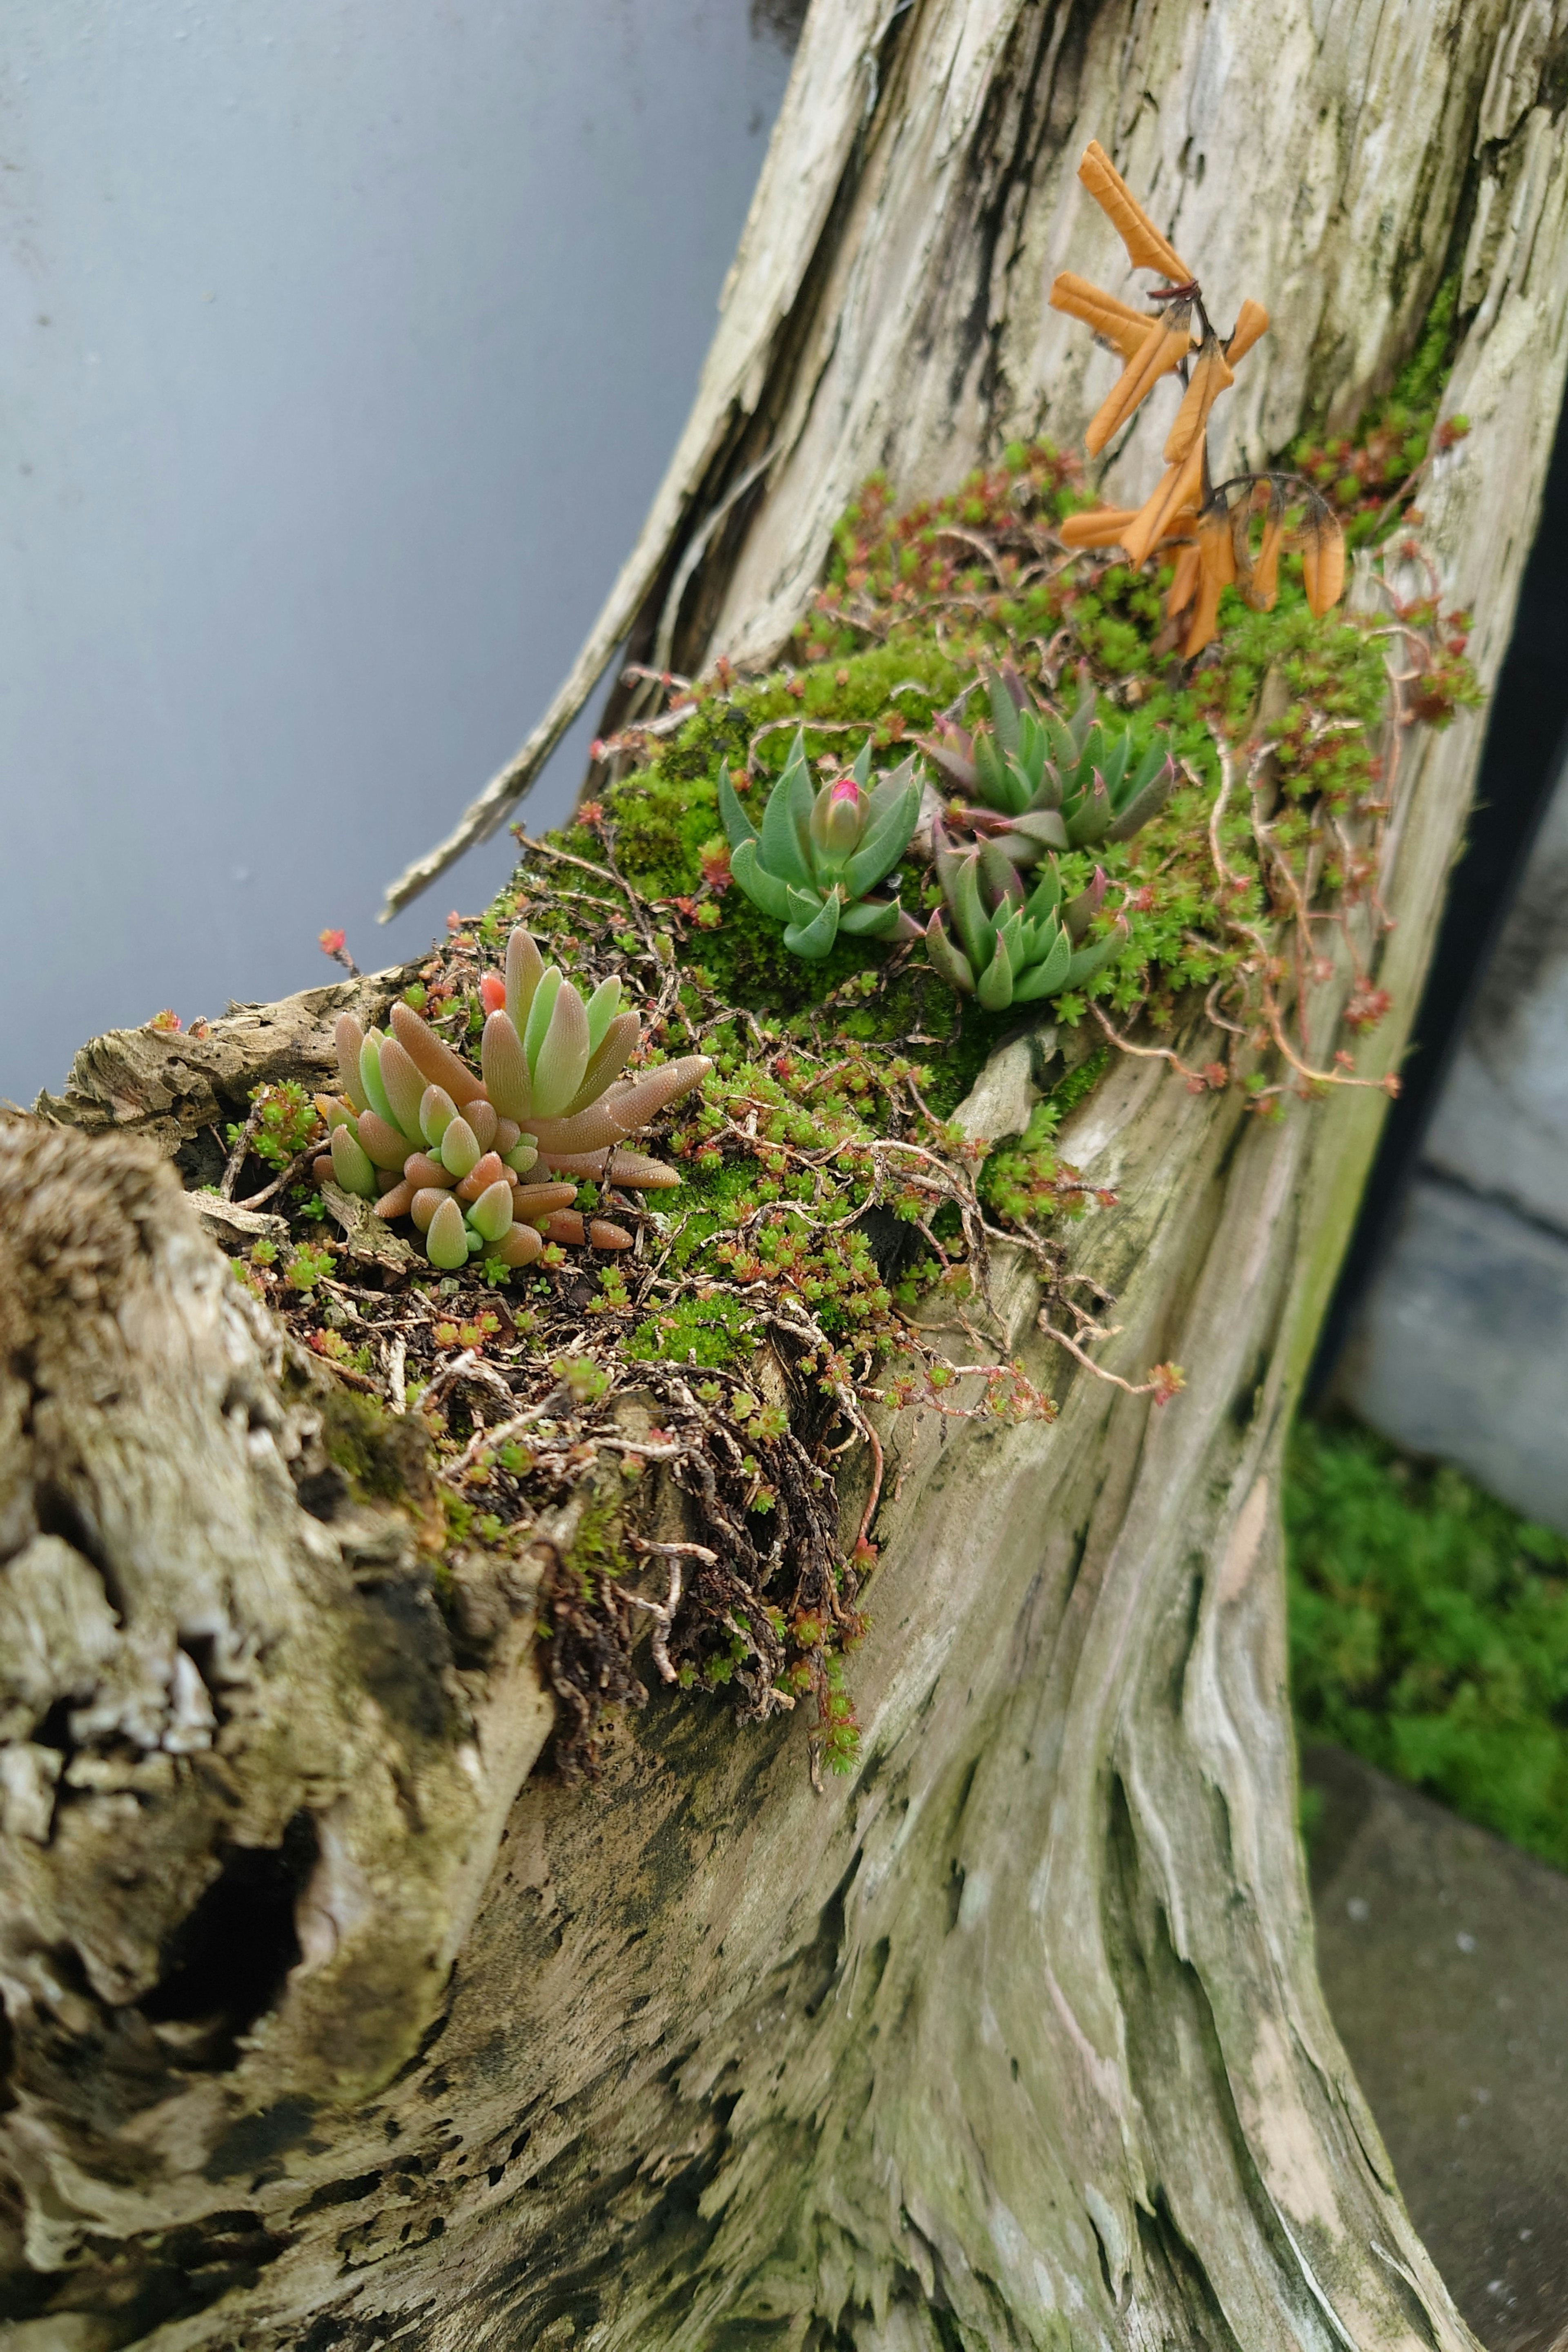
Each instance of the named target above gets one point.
<point>249,1806</point>
<point>1013,2038</point>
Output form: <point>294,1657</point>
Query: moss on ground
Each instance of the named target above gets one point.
<point>1429,1632</point>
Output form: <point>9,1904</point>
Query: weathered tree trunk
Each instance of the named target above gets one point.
<point>1014,2038</point>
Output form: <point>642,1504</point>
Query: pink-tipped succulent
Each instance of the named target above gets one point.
<point>555,1065</point>
<point>398,1138</point>
<point>1043,782</point>
<point>421,1135</point>
<point>820,853</point>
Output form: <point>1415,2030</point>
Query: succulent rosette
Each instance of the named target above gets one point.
<point>819,853</point>
<point>422,1135</point>
<point>555,1065</point>
<point>398,1138</point>
<point>1048,783</point>
<point>1009,948</point>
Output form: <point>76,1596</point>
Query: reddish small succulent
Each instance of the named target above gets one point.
<point>421,1134</point>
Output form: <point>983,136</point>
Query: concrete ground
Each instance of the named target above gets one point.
<point>1444,1955</point>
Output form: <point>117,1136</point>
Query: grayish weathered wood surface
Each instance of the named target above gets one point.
<point>1013,2039</point>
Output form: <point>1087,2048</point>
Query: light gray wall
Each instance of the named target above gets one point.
<point>341,344</point>
<point>1460,1348</point>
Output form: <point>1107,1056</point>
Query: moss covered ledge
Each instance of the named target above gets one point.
<point>896,1210</point>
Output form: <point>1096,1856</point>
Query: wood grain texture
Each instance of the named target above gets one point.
<point>1013,2039</point>
<point>168,1086</point>
<point>249,1805</point>
<point>1332,161</point>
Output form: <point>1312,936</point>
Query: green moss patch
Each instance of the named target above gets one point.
<point>1429,1632</point>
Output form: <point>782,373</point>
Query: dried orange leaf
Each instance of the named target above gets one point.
<point>1146,248</point>
<point>1119,322</point>
<point>1216,550</point>
<point>1241,545</point>
<point>1105,527</point>
<point>1322,562</point>
<point>1164,346</point>
<point>1216,569</point>
<point>1203,626</point>
<point>1252,320</point>
<point>1180,486</point>
<point>1265,583</point>
<point>1211,376</point>
<point>1183,584</point>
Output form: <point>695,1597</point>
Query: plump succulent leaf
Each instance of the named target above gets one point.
<point>490,1216</point>
<point>460,1150</point>
<point>370,1078</point>
<point>440,1065</point>
<point>875,919</point>
<point>811,935</point>
<point>950,962</point>
<point>562,1079</point>
<point>1095,957</point>
<point>557,1066</point>
<point>602,1008</point>
<point>764,889</point>
<point>888,838</point>
<point>426,1200</point>
<point>446,1237</point>
<point>421,1135</point>
<point>486,1170</point>
<point>738,826</point>
<point>623,1109</point>
<point>784,846</point>
<point>633,1171</point>
<point>436,1112</point>
<point>1145,795</point>
<point>386,1144</point>
<point>1031,835</point>
<point>552,981</point>
<point>505,1066</point>
<point>520,1246</point>
<point>353,1166</point>
<point>535,1202</point>
<point>348,1037</point>
<point>524,971</point>
<point>403,1086</point>
<point>614,1052</point>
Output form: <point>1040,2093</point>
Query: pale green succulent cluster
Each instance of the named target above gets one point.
<point>1053,783</point>
<point>1011,948</point>
<point>553,1065</point>
<point>819,853</point>
<point>421,1134</point>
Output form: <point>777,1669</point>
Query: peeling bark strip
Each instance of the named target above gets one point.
<point>167,1087</point>
<point>1015,2040</point>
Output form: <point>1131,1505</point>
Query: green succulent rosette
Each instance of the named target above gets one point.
<point>1047,782</point>
<point>1008,947</point>
<point>819,853</point>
